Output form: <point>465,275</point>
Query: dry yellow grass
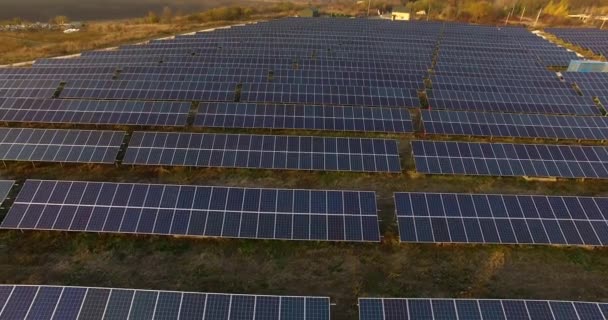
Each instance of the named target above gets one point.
<point>27,46</point>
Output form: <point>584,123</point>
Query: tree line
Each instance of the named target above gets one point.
<point>552,12</point>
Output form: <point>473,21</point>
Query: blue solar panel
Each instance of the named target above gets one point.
<point>59,302</point>
<point>518,103</point>
<point>501,218</point>
<point>50,145</point>
<point>507,159</point>
<point>478,309</point>
<point>143,90</point>
<point>514,125</point>
<point>195,211</point>
<point>263,152</point>
<point>332,118</point>
<point>95,112</point>
<point>590,39</point>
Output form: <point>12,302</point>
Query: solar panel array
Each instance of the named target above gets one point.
<point>591,39</point>
<point>50,145</point>
<point>592,84</point>
<point>358,64</point>
<point>263,152</point>
<point>307,117</point>
<point>514,125</point>
<point>5,189</point>
<point>502,70</point>
<point>507,159</point>
<point>66,303</point>
<point>478,309</point>
<point>506,219</point>
<point>195,211</point>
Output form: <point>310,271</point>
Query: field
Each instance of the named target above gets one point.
<point>27,46</point>
<point>101,10</point>
<point>342,271</point>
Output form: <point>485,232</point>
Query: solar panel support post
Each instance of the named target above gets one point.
<point>538,16</point>
<point>509,16</point>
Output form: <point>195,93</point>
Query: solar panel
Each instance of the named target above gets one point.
<point>195,211</point>
<point>477,309</point>
<point>501,102</point>
<point>49,145</point>
<point>147,90</point>
<point>514,125</point>
<point>263,152</point>
<point>507,159</point>
<point>5,188</point>
<point>63,302</point>
<point>501,218</point>
<point>505,89</point>
<point>500,82</point>
<point>591,39</point>
<point>95,112</point>
<point>326,94</point>
<point>332,118</point>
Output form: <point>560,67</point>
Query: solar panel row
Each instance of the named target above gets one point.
<point>50,145</point>
<point>591,39</point>
<point>67,303</point>
<point>334,118</point>
<point>195,211</point>
<point>507,219</point>
<point>514,125</point>
<point>478,309</point>
<point>95,112</point>
<point>519,103</point>
<point>197,91</point>
<point>268,152</point>
<point>506,159</point>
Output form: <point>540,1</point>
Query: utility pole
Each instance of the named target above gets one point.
<point>428,12</point>
<point>602,26</point>
<point>521,18</point>
<point>369,4</point>
<point>538,16</point>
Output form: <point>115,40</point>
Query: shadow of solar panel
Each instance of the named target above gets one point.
<point>331,118</point>
<point>454,309</point>
<point>507,159</point>
<point>5,189</point>
<point>195,211</point>
<point>514,125</point>
<point>49,145</point>
<point>263,152</point>
<point>46,302</point>
<point>506,219</point>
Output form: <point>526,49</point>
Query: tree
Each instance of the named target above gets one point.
<point>60,20</point>
<point>558,9</point>
<point>480,11</point>
<point>167,15</point>
<point>16,21</point>
<point>152,17</point>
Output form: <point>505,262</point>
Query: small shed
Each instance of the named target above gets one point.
<point>400,13</point>
<point>309,13</point>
